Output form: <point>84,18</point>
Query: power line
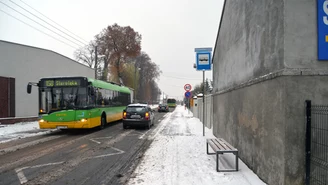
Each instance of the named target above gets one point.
<point>45,21</point>
<point>40,24</point>
<point>53,21</point>
<point>183,78</point>
<point>172,85</point>
<point>38,29</point>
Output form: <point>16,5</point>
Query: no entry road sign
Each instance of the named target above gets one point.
<point>187,87</point>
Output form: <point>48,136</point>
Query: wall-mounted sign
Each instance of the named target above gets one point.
<point>322,29</point>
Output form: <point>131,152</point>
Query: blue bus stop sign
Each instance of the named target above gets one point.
<point>188,94</point>
<point>322,29</point>
<point>203,59</point>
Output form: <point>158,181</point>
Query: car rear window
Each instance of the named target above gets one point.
<point>136,109</point>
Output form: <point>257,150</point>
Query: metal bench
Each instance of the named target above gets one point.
<point>220,146</point>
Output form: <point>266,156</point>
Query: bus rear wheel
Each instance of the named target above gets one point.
<point>103,122</point>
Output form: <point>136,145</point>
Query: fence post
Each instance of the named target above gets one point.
<point>308,142</point>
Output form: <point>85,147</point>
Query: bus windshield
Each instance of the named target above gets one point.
<point>62,98</point>
<point>171,101</point>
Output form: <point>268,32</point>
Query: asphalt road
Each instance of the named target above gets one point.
<point>108,156</point>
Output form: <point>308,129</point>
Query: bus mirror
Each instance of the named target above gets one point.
<point>29,88</point>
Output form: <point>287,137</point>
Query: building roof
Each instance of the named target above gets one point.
<point>43,50</point>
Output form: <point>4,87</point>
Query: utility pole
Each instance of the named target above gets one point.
<point>96,62</point>
<point>135,81</point>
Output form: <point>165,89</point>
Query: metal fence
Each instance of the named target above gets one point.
<point>316,144</point>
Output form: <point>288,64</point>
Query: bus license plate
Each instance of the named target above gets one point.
<point>61,127</point>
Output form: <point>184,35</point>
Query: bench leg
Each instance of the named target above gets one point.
<point>208,153</point>
<point>236,154</point>
<point>207,148</point>
<point>217,161</point>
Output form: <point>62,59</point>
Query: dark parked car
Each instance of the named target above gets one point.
<point>163,108</point>
<point>138,115</point>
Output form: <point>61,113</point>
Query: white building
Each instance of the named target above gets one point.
<point>20,64</point>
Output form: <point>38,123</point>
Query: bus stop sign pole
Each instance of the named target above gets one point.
<point>203,63</point>
<point>203,102</point>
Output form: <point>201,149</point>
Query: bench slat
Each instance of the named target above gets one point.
<point>213,145</point>
<point>220,145</point>
<point>225,143</point>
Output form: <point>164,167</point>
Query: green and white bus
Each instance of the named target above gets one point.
<point>171,102</point>
<point>79,102</point>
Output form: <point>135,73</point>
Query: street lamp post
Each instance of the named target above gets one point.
<point>135,81</point>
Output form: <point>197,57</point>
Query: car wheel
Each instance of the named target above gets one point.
<point>148,125</point>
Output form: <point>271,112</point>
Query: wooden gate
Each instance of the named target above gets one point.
<point>7,97</point>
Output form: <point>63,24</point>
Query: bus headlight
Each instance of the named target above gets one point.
<point>42,121</point>
<point>84,120</point>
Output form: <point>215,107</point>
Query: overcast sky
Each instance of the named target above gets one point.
<point>170,30</point>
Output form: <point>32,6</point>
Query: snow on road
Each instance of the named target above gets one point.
<point>176,156</point>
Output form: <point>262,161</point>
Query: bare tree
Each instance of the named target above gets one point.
<point>117,43</point>
<point>86,54</point>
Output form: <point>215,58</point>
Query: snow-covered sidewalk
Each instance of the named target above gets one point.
<point>178,156</point>
<point>20,130</point>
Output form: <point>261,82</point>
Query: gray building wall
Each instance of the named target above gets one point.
<point>29,64</point>
<point>251,42</point>
<point>264,68</point>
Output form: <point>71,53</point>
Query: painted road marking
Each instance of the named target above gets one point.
<point>106,155</point>
<point>143,134</point>
<point>32,143</point>
<point>23,179</point>
<point>98,142</point>
<point>21,175</point>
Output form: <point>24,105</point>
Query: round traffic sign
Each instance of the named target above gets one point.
<point>188,94</point>
<point>187,87</point>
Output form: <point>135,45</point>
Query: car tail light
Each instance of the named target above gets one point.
<point>124,115</point>
<point>147,115</point>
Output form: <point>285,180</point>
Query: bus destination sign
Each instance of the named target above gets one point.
<point>60,82</point>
